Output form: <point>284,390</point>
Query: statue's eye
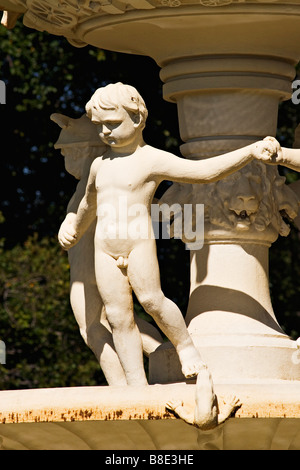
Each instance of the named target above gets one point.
<point>256,179</point>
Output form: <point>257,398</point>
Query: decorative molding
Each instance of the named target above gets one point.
<point>216,3</point>
<point>249,203</point>
<point>170,3</point>
<point>61,17</point>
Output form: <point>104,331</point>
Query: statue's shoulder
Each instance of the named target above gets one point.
<point>155,152</point>
<point>96,163</point>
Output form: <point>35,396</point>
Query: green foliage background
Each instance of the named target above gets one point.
<point>44,74</point>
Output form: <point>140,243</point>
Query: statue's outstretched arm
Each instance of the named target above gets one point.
<point>201,171</point>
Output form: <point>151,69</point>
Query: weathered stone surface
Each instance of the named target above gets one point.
<point>114,418</point>
<point>273,399</point>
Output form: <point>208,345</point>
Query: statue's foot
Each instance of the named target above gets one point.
<point>191,361</point>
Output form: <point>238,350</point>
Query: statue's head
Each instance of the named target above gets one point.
<point>119,111</point>
<point>114,96</point>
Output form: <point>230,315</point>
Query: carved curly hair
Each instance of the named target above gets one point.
<point>113,96</point>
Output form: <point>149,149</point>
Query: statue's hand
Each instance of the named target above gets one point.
<point>67,235</point>
<point>277,158</point>
<point>234,403</point>
<point>268,151</point>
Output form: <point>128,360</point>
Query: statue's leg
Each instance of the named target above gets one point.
<point>144,277</point>
<point>116,294</point>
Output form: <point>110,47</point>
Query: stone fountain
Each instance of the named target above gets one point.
<point>227,65</point>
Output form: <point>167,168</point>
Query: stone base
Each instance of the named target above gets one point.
<point>232,358</point>
<point>135,418</point>
<point>150,439</point>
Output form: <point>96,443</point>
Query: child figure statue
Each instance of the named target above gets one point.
<point>119,192</point>
<point>79,144</point>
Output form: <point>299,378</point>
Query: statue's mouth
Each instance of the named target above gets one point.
<point>242,214</point>
<point>242,218</point>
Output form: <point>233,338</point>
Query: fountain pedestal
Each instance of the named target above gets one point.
<point>227,65</point>
<point>234,328</point>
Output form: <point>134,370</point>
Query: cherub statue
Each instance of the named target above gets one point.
<point>206,414</point>
<point>80,145</point>
<point>120,189</point>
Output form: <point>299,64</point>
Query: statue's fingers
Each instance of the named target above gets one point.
<point>267,155</point>
<point>270,138</point>
<point>66,241</point>
<point>69,235</point>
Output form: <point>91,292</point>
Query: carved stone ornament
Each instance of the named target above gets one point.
<point>254,202</point>
<point>63,17</point>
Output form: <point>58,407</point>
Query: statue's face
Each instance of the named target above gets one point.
<point>243,193</point>
<point>116,127</point>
